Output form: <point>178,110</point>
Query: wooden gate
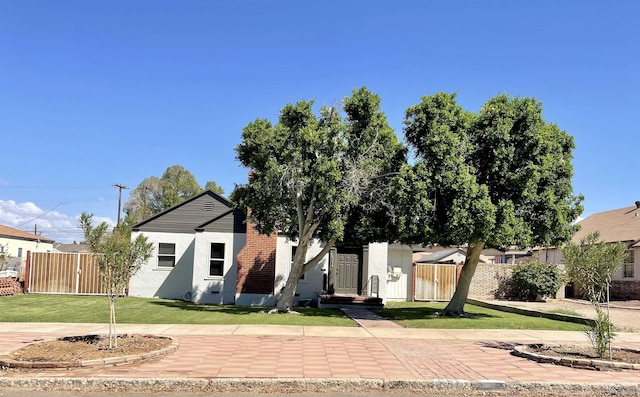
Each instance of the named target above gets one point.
<point>435,281</point>
<point>63,273</point>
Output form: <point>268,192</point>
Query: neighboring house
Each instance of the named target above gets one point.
<point>447,256</point>
<point>619,225</point>
<point>16,243</point>
<point>71,248</point>
<point>204,252</point>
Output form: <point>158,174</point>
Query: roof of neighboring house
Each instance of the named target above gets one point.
<point>72,247</point>
<point>440,255</point>
<point>9,232</point>
<point>622,224</point>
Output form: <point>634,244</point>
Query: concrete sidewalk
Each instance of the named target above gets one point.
<point>373,355</point>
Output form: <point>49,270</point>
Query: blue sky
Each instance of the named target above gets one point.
<point>94,93</point>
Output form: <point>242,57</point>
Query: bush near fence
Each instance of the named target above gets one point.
<point>493,280</point>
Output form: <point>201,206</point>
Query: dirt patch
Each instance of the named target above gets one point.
<point>578,351</point>
<point>580,356</point>
<point>89,347</point>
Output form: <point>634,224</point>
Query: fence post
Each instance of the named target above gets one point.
<point>27,274</point>
<point>77,272</point>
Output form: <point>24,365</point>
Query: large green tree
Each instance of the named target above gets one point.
<point>154,195</point>
<point>176,185</point>
<point>310,173</point>
<point>496,178</point>
<point>214,187</point>
<point>118,258</point>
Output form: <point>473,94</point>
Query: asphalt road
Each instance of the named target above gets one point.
<point>27,393</point>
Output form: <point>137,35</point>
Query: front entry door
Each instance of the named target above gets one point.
<point>346,272</point>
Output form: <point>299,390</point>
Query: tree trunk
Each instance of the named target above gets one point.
<point>457,302</point>
<point>113,342</point>
<point>299,267</point>
<point>285,301</point>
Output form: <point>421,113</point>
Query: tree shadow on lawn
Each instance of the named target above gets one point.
<point>244,310</point>
<point>423,313</point>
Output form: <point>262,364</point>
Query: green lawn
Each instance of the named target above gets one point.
<point>423,315</point>
<point>95,309</point>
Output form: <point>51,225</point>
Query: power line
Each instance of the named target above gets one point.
<point>41,215</point>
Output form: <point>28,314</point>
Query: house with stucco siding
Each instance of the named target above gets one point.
<point>206,252</point>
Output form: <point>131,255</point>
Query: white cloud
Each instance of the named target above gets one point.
<point>55,225</point>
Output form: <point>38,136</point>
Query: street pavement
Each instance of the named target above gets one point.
<point>377,354</point>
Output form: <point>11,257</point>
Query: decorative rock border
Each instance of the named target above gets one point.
<point>587,363</point>
<point>100,362</point>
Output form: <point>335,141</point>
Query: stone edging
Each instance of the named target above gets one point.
<point>532,313</point>
<point>100,362</point>
<point>521,351</point>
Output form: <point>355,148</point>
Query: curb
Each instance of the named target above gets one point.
<point>312,385</point>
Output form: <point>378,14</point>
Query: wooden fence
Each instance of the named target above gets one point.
<point>62,273</point>
<point>435,281</point>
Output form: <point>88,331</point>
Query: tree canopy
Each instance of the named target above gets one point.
<point>154,195</point>
<point>496,178</point>
<point>310,173</point>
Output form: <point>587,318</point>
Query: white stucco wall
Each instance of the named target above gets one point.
<point>378,264</point>
<point>399,284</point>
<point>170,283</point>
<point>189,279</point>
<point>216,289</point>
<point>312,285</point>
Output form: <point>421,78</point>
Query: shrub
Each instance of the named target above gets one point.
<point>533,279</point>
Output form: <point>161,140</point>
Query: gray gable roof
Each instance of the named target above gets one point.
<point>206,211</point>
<point>438,256</point>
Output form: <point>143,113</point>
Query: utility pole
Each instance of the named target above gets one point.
<point>119,187</point>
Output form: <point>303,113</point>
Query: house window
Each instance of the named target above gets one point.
<point>19,252</point>
<point>629,270</point>
<point>166,255</point>
<point>216,260</point>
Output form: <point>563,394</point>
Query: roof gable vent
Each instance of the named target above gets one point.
<point>208,206</point>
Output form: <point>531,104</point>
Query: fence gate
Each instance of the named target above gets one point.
<point>63,273</point>
<point>435,281</point>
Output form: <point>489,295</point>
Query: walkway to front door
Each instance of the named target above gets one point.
<point>368,319</point>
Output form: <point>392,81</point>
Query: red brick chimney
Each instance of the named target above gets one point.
<point>257,263</point>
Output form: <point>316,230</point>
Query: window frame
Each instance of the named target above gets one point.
<point>218,260</point>
<point>163,256</point>
<point>629,265</point>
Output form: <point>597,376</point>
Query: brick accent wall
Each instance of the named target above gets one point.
<point>625,289</point>
<point>486,279</point>
<point>492,279</point>
<point>257,263</point>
